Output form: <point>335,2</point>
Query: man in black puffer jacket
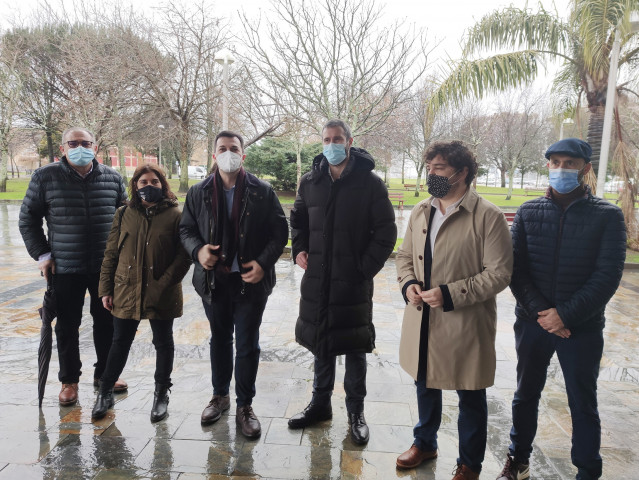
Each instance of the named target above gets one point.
<point>78,197</point>
<point>343,231</point>
<point>569,252</point>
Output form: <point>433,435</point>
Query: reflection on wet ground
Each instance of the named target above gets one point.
<point>62,442</point>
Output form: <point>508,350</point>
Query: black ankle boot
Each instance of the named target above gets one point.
<point>102,404</point>
<point>160,402</point>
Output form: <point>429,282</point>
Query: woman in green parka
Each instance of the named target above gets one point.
<point>141,278</point>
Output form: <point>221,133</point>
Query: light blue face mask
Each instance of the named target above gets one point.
<point>335,153</point>
<point>563,180</point>
<point>80,156</point>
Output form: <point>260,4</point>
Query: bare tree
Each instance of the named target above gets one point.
<point>10,90</point>
<point>516,134</point>
<point>44,90</point>
<point>177,68</point>
<point>333,59</point>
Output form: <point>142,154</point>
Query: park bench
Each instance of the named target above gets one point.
<point>411,186</point>
<point>397,197</point>
<point>510,216</point>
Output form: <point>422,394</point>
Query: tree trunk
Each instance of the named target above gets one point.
<point>298,166</point>
<point>403,166</point>
<point>511,181</point>
<point>503,177</point>
<point>210,147</point>
<point>595,129</point>
<point>184,161</point>
<point>419,178</point>
<point>4,157</point>
<point>522,179</point>
<point>121,159</point>
<point>50,146</point>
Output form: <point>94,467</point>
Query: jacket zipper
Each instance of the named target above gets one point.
<point>558,247</point>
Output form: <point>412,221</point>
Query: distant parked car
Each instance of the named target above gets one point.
<point>195,171</point>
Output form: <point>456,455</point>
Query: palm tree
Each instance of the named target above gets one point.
<point>582,44</point>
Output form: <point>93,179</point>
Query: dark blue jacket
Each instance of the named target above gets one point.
<point>571,260</point>
<point>79,213</point>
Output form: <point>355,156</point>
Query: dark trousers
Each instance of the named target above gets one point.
<point>70,292</point>
<point>354,381</point>
<point>231,311</point>
<point>472,421</point>
<point>579,357</point>
<point>123,335</point>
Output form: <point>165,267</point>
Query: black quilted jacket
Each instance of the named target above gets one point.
<point>348,229</point>
<point>79,212</point>
<point>571,260</point>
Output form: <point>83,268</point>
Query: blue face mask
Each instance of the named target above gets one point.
<point>80,156</point>
<point>335,153</point>
<point>563,180</point>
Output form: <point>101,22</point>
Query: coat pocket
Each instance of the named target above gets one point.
<point>123,291</point>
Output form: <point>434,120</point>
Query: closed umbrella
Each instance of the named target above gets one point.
<point>48,312</point>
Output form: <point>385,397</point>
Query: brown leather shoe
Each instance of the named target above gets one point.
<point>462,472</point>
<point>213,411</point>
<point>68,394</point>
<point>118,387</point>
<point>245,419</point>
<point>413,457</point>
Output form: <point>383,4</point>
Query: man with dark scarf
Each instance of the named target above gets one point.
<point>235,230</point>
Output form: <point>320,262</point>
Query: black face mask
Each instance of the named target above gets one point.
<point>150,194</point>
<point>438,185</point>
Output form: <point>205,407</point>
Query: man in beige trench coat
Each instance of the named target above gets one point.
<point>455,258</point>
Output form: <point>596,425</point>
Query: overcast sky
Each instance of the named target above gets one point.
<point>445,21</point>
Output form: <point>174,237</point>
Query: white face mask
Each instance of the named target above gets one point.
<point>229,162</point>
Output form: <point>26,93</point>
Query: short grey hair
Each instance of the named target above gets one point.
<point>339,123</point>
<point>76,129</point>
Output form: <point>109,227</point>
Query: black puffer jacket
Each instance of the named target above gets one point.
<point>348,229</point>
<point>79,213</point>
<point>571,260</point>
<point>263,232</point>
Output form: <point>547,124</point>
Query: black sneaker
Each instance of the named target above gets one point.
<point>514,470</point>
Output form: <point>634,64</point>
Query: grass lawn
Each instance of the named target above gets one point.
<point>16,189</point>
<point>632,256</point>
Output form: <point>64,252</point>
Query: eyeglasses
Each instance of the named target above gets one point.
<point>75,143</point>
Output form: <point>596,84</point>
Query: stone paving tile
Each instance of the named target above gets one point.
<point>62,442</point>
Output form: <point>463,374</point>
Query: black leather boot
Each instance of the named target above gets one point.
<point>102,405</point>
<point>160,402</point>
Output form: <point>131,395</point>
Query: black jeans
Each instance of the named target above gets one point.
<point>70,291</point>
<point>354,381</point>
<point>232,310</point>
<point>579,357</point>
<point>124,333</point>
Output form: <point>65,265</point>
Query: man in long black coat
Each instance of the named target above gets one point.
<point>343,231</point>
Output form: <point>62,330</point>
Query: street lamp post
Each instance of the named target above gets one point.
<point>610,101</point>
<point>568,121</point>
<point>225,58</point>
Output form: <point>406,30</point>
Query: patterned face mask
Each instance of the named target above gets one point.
<point>438,185</point>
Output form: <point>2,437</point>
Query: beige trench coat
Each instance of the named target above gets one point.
<point>473,257</point>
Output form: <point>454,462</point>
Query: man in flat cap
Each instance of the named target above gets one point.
<point>569,252</point>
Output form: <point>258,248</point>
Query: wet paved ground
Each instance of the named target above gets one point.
<point>62,443</point>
